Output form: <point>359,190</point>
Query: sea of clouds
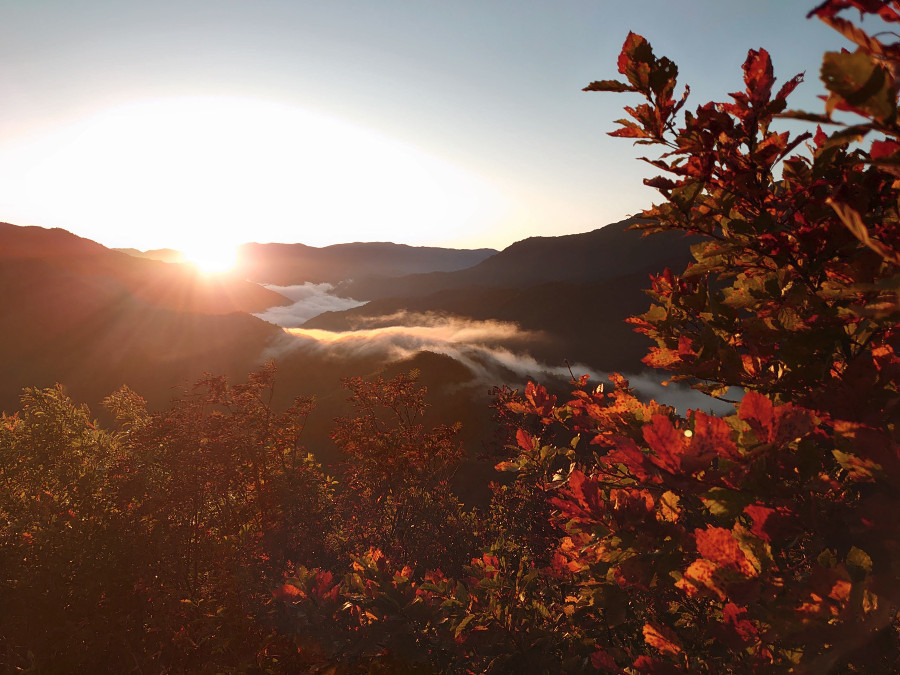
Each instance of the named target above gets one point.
<point>309,300</point>
<point>495,352</point>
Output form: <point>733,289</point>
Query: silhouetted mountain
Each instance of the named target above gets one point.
<point>582,323</point>
<point>590,257</point>
<point>288,264</point>
<point>169,255</point>
<point>575,290</point>
<point>75,312</point>
<point>177,287</point>
<point>92,318</point>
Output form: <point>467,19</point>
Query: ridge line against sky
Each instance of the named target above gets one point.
<point>461,124</point>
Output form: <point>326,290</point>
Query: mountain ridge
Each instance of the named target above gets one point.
<point>583,257</point>
<point>290,264</point>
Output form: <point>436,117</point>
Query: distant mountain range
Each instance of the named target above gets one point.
<point>590,257</point>
<point>287,264</point>
<point>93,318</point>
<point>577,289</point>
<point>169,255</point>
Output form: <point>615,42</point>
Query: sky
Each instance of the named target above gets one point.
<point>202,124</point>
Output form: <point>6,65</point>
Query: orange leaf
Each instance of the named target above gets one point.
<point>717,545</point>
<point>662,638</point>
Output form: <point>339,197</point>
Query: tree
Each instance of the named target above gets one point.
<point>225,498</point>
<point>760,539</point>
<point>397,496</point>
<point>65,584</point>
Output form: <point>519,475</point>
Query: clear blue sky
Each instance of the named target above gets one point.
<point>457,123</point>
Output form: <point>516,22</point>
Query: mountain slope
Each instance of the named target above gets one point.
<point>578,258</point>
<point>74,312</point>
<point>176,287</point>
<point>578,322</point>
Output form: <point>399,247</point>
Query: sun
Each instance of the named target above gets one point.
<point>171,172</point>
<point>211,259</point>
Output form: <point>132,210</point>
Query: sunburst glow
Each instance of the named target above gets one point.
<point>193,172</point>
<point>212,259</point>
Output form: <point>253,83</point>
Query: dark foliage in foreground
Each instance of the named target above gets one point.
<point>627,538</point>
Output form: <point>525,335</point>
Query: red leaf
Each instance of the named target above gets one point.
<point>820,137</point>
<point>736,617</point>
<point>626,452</point>
<point>789,86</point>
<point>759,76</point>
<point>792,422</point>
<point>881,149</point>
<point>523,438</point>
<point>701,574</point>
<point>758,411</point>
<point>661,357</point>
<point>685,346</point>
<point>628,130</point>
<point>830,8</point>
<point>759,514</point>
<point>583,501</point>
<point>660,183</point>
<point>667,442</point>
<point>601,660</point>
<point>541,402</point>
<point>711,438</point>
<point>717,545</point>
<point>288,592</point>
<point>651,666</point>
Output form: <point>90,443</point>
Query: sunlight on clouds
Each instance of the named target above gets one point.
<point>200,171</point>
<point>493,351</point>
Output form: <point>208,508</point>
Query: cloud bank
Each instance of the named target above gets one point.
<point>495,352</point>
<point>309,300</point>
<point>487,348</point>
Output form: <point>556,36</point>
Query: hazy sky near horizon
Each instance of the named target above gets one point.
<point>454,123</point>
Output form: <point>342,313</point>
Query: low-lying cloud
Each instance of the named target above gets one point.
<point>680,396</point>
<point>494,352</point>
<point>486,348</point>
<point>309,300</point>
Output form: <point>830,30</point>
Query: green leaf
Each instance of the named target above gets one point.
<point>789,319</point>
<point>858,468</point>
<point>860,81</point>
<point>723,502</point>
<point>462,625</point>
<point>827,559</point>
<point>859,564</point>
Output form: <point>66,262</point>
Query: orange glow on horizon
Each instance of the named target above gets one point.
<point>187,172</point>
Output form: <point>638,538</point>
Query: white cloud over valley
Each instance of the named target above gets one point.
<point>309,300</point>
<point>495,352</point>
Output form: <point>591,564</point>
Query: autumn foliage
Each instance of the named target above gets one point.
<point>623,536</point>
